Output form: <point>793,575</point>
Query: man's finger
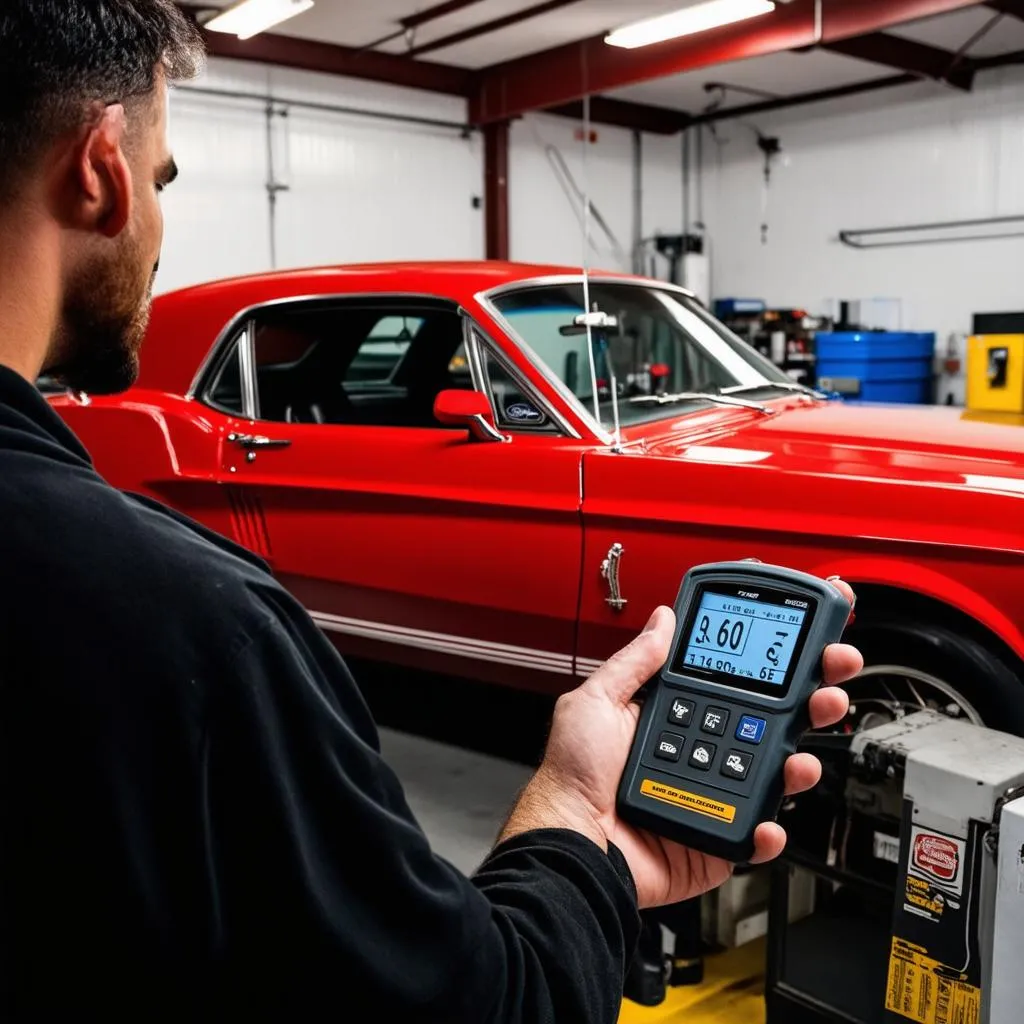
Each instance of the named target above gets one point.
<point>844,588</point>
<point>626,671</point>
<point>828,706</point>
<point>840,663</point>
<point>769,842</point>
<point>803,772</point>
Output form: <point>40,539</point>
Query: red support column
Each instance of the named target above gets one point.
<point>496,190</point>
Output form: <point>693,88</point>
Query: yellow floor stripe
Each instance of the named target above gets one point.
<point>732,993</point>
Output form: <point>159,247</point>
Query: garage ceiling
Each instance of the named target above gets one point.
<point>787,74</point>
<point>469,37</point>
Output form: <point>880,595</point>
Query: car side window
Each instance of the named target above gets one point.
<point>225,393</point>
<point>359,365</point>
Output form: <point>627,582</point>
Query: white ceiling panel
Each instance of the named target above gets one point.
<point>341,21</point>
<point>951,31</point>
<point>781,74</point>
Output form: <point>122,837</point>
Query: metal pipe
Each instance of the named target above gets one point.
<point>856,238</point>
<point>331,108</point>
<point>700,177</point>
<point>273,186</point>
<point>686,206</point>
<point>638,202</point>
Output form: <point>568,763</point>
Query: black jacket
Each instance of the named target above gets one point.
<point>195,820</point>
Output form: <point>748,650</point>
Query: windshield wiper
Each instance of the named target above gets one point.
<point>800,389</point>
<point>702,396</point>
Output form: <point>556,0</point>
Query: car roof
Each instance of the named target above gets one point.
<point>483,273</point>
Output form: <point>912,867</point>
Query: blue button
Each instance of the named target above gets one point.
<point>750,730</point>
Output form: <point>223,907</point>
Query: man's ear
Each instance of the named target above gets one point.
<point>102,176</point>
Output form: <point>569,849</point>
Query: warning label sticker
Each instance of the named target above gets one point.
<point>925,899</point>
<point>690,801</point>
<point>938,858</point>
<point>926,991</point>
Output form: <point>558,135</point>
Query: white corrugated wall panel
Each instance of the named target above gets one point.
<point>358,188</point>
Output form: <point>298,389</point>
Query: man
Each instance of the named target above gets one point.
<point>195,817</point>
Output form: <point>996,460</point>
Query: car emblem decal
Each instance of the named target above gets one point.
<point>610,573</point>
<point>523,412</point>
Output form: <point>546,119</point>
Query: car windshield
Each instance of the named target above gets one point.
<point>662,349</point>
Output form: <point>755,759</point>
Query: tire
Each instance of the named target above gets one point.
<point>941,665</point>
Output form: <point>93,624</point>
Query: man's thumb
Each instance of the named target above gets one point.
<point>627,670</point>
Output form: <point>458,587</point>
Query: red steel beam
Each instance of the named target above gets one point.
<point>496,234</point>
<point>567,73</point>
<point>486,27</point>
<point>639,117</point>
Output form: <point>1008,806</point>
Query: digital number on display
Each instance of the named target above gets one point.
<point>752,639</point>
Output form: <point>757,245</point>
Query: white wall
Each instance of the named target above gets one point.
<point>361,189</point>
<point>545,223</point>
<point>918,154</point>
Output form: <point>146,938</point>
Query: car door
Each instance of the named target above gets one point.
<point>407,541</point>
<point>648,516</point>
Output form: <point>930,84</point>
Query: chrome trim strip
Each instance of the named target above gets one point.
<point>476,372</point>
<point>446,643</point>
<point>247,372</point>
<point>587,666</point>
<point>558,279</point>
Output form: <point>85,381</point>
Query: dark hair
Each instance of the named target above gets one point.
<point>59,56</point>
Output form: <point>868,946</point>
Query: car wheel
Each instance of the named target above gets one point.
<point>913,665</point>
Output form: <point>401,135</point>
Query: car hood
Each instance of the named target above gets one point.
<point>926,444</point>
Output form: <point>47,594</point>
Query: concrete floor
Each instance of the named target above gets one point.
<point>461,798</point>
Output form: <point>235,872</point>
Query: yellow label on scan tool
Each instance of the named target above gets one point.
<point>690,801</point>
<point>923,990</point>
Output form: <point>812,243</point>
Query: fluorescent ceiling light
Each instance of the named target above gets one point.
<point>251,17</point>
<point>686,22</point>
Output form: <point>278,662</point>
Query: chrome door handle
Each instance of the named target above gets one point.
<point>251,441</point>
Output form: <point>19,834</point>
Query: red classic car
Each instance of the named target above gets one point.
<point>479,469</point>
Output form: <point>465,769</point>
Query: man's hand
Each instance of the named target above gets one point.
<point>591,735</point>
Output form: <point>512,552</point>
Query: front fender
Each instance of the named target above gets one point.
<point>910,576</point>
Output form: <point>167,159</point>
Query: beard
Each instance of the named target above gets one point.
<point>105,315</point>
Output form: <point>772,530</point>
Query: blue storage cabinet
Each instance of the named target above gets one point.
<point>877,366</point>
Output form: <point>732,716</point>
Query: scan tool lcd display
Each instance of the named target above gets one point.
<point>745,641</point>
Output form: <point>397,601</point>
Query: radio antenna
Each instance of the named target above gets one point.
<point>590,313</point>
<point>586,259</point>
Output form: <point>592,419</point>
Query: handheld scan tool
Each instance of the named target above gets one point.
<point>730,704</point>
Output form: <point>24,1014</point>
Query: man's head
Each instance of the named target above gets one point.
<point>83,156</point>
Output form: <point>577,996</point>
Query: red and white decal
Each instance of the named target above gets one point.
<point>938,857</point>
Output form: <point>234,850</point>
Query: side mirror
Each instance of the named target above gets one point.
<point>468,409</point>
